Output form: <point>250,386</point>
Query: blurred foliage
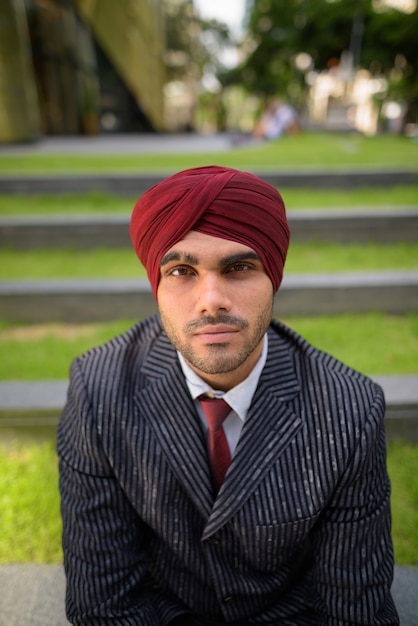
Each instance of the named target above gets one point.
<point>380,38</point>
<point>193,48</point>
<point>191,42</point>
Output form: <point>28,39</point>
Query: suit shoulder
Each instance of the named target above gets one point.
<point>131,345</point>
<point>322,367</point>
<point>332,393</point>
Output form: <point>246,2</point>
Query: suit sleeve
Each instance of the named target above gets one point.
<point>354,565</point>
<point>103,541</point>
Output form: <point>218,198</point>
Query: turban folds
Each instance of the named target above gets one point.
<point>217,201</point>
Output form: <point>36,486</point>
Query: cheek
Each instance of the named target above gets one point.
<point>171,303</point>
<point>260,292</point>
<point>261,300</point>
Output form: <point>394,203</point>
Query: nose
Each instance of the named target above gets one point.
<point>212,295</point>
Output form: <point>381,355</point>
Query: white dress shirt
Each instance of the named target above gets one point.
<point>239,397</point>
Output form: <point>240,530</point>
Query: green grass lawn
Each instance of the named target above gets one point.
<point>122,263</point>
<point>29,503</point>
<point>98,202</point>
<point>308,149</point>
<point>373,343</point>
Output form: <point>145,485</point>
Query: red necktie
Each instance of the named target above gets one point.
<point>216,410</point>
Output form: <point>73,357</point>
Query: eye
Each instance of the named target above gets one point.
<point>178,272</point>
<point>240,267</point>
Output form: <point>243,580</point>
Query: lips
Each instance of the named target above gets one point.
<point>216,329</point>
<point>216,333</point>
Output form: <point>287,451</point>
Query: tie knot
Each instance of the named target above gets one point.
<point>215,410</point>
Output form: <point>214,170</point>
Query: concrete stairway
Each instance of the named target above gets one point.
<point>33,594</point>
<point>80,231</point>
<point>100,300</point>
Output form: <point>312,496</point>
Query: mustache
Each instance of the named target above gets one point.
<point>209,320</point>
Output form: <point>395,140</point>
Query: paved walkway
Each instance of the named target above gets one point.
<point>131,143</point>
<point>114,144</point>
<point>33,595</point>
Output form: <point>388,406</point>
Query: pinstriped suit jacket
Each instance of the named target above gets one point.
<point>300,530</point>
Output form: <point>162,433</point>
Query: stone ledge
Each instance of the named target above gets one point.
<point>78,301</point>
<point>34,595</point>
<point>104,230</point>
<point>135,184</point>
<point>31,405</point>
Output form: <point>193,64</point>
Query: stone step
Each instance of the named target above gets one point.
<point>383,225</point>
<point>43,589</point>
<point>31,406</point>
<point>135,184</point>
<point>92,300</point>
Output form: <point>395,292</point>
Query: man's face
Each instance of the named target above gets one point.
<point>215,301</point>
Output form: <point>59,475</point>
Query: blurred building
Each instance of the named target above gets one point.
<point>80,67</point>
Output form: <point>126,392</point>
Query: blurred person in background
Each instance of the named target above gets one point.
<point>276,120</point>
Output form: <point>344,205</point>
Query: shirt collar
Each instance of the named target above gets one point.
<point>239,397</point>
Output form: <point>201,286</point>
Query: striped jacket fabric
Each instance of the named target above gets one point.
<point>299,533</point>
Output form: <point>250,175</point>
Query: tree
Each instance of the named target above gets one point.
<point>390,49</point>
<point>191,42</point>
<point>380,38</point>
<point>192,55</point>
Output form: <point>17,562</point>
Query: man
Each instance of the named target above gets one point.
<point>281,515</point>
<point>276,120</point>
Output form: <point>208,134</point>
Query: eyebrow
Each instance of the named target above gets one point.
<point>178,256</point>
<point>192,260</point>
<point>237,258</point>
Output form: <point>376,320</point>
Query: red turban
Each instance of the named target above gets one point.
<point>217,201</point>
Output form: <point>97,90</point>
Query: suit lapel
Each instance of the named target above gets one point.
<point>269,428</point>
<point>169,410</point>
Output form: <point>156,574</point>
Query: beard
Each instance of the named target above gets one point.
<point>218,358</point>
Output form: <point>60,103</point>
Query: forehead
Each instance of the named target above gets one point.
<point>200,244</point>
